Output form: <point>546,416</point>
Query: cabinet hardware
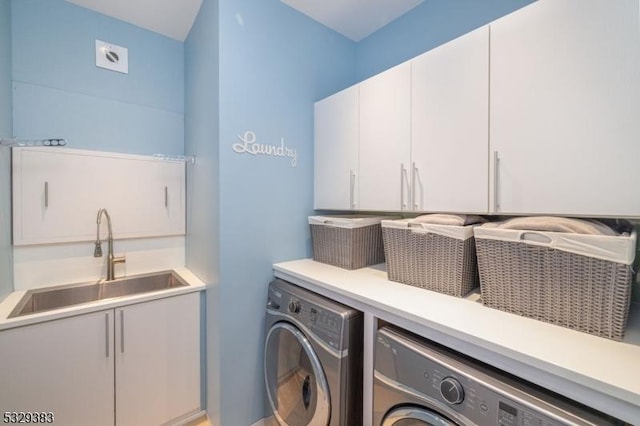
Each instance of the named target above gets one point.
<point>106,323</point>
<point>46,195</point>
<point>496,181</point>
<point>414,172</point>
<point>166,196</point>
<point>122,331</point>
<point>352,183</point>
<point>403,175</point>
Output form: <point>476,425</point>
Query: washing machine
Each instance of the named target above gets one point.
<point>312,359</point>
<point>417,382</point>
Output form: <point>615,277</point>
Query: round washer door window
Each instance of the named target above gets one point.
<point>296,385</point>
<point>414,416</point>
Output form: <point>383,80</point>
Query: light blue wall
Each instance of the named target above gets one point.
<point>59,91</point>
<point>203,214</point>
<point>430,24</point>
<point>274,63</point>
<point>6,258</point>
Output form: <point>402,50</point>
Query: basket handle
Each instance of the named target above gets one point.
<point>535,237</point>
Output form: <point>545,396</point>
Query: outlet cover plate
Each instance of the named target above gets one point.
<point>112,57</point>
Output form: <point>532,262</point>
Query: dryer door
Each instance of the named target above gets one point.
<point>415,416</point>
<point>296,385</point>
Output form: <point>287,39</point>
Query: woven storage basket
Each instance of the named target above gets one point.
<point>349,242</point>
<point>440,258</point>
<point>578,281</point>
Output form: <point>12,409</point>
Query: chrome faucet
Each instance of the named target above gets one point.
<point>97,252</point>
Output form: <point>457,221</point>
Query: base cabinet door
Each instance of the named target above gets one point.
<point>63,367</point>
<point>565,102</point>
<point>157,360</point>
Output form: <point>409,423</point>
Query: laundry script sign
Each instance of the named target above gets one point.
<point>249,145</point>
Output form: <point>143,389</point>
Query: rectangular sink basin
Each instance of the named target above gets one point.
<point>51,298</point>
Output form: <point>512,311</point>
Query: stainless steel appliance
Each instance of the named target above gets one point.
<point>417,382</point>
<point>312,359</point>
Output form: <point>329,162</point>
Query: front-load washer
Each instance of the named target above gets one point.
<point>417,382</point>
<point>312,359</point>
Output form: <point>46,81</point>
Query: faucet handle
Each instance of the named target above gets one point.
<point>97,251</point>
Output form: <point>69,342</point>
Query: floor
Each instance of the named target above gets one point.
<point>202,421</point>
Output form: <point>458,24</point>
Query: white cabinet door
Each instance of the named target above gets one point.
<point>336,151</point>
<point>385,151</point>
<point>565,108</point>
<point>158,360</point>
<point>147,197</point>
<point>65,367</point>
<point>57,194</point>
<point>450,125</point>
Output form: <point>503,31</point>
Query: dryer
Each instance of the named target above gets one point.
<point>417,382</point>
<point>312,359</point>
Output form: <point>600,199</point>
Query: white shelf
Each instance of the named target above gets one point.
<point>594,371</point>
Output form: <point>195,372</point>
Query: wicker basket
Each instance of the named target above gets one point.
<point>578,281</point>
<point>440,258</point>
<point>349,242</point>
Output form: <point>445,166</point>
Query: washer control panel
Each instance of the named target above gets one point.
<point>324,323</point>
<point>470,391</point>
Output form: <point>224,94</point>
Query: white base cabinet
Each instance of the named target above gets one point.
<point>64,367</point>
<point>146,356</point>
<point>157,360</point>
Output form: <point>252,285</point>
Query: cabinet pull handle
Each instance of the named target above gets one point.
<point>352,183</point>
<point>166,196</point>
<point>414,172</point>
<point>496,181</point>
<point>106,323</point>
<point>122,331</point>
<point>46,195</point>
<point>403,174</point>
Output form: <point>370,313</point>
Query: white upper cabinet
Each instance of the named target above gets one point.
<point>57,193</point>
<point>450,125</point>
<point>385,144</point>
<point>565,108</point>
<point>336,151</point>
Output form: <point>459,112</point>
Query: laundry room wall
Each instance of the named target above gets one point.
<point>429,25</point>
<point>274,63</point>
<point>202,130</point>
<point>59,91</point>
<point>6,131</point>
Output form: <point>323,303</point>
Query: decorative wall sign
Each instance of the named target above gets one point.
<point>248,145</point>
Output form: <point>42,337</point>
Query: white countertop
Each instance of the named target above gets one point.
<point>595,371</point>
<point>10,302</point>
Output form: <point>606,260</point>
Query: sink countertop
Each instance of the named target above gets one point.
<point>595,371</point>
<point>10,302</point>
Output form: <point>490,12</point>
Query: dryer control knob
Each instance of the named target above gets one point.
<point>451,390</point>
<point>294,306</point>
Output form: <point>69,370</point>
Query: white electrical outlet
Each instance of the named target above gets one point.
<point>112,57</point>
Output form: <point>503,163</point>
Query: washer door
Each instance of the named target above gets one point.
<point>296,385</point>
<point>415,416</point>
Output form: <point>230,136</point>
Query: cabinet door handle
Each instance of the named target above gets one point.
<point>106,333</point>
<point>414,172</point>
<point>496,181</point>
<point>121,331</point>
<point>403,174</point>
<point>352,183</point>
<point>46,195</point>
<point>166,196</point>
